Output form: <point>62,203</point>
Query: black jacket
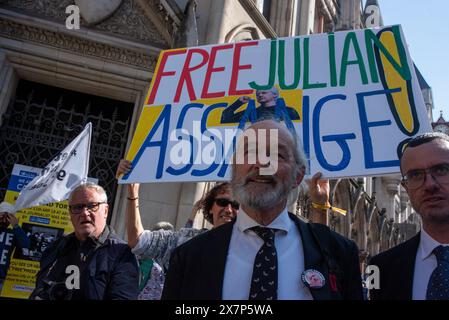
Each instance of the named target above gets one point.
<point>197,267</point>
<point>111,272</point>
<point>396,271</point>
<point>230,115</point>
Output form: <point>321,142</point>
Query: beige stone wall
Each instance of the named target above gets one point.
<point>223,21</point>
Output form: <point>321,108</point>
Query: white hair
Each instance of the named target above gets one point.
<point>89,185</point>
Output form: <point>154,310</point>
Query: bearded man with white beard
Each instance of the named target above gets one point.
<point>266,253</point>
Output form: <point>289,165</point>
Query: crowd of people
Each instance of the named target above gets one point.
<point>256,249</point>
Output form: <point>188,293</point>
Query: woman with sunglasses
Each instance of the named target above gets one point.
<point>217,205</point>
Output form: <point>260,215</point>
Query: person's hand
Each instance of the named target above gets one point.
<point>123,168</point>
<point>319,189</point>
<point>244,99</point>
<point>12,219</point>
<point>196,207</point>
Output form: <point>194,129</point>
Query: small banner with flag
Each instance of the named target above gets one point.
<point>63,174</point>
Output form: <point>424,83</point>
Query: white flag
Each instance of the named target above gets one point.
<point>63,174</point>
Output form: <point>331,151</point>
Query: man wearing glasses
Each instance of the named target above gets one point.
<point>90,263</point>
<point>418,269</point>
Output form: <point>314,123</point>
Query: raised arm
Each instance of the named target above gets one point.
<point>20,237</point>
<point>319,194</point>
<point>229,115</point>
<point>134,227</point>
<point>157,245</point>
<point>196,208</point>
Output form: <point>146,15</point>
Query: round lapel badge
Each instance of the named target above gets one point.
<point>313,279</point>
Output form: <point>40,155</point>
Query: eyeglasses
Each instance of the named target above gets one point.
<point>223,202</point>
<point>91,207</point>
<point>415,178</point>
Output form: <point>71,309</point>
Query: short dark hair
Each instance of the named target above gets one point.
<point>209,199</point>
<point>424,138</point>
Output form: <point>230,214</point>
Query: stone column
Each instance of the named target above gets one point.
<point>405,201</point>
<point>283,15</point>
<point>306,17</point>
<point>216,28</point>
<point>8,83</point>
<point>392,184</point>
<point>349,15</point>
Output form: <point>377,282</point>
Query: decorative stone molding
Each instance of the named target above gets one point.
<point>164,17</point>
<point>258,18</point>
<point>94,12</point>
<point>46,8</point>
<point>170,12</point>
<point>14,30</point>
<point>129,20</point>
<point>329,10</point>
<point>242,32</point>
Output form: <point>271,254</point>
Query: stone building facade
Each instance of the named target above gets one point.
<point>53,80</point>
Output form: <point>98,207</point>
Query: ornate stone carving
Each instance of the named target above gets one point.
<point>169,23</point>
<point>128,20</point>
<point>47,8</point>
<point>96,11</point>
<point>76,45</point>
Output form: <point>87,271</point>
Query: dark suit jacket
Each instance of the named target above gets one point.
<point>397,268</point>
<point>197,267</point>
<point>230,115</point>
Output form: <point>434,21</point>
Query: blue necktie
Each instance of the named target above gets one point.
<point>265,272</point>
<point>438,287</point>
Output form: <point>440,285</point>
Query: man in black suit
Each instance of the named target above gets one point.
<point>271,106</point>
<point>418,268</point>
<point>266,252</point>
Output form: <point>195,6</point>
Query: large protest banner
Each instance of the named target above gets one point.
<point>42,224</point>
<point>352,97</point>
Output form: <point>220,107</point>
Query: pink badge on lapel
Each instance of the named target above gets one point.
<point>313,279</point>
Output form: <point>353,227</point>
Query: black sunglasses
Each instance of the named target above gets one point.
<point>223,202</point>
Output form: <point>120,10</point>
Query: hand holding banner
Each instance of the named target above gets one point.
<point>352,98</point>
<point>66,171</point>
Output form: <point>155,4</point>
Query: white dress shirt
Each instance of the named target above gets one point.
<point>242,251</point>
<point>425,263</point>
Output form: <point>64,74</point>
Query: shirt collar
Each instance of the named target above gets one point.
<point>97,242</point>
<point>103,236</point>
<point>427,244</point>
<point>282,221</point>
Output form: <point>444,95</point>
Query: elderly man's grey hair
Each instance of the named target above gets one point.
<point>301,161</point>
<point>93,186</point>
